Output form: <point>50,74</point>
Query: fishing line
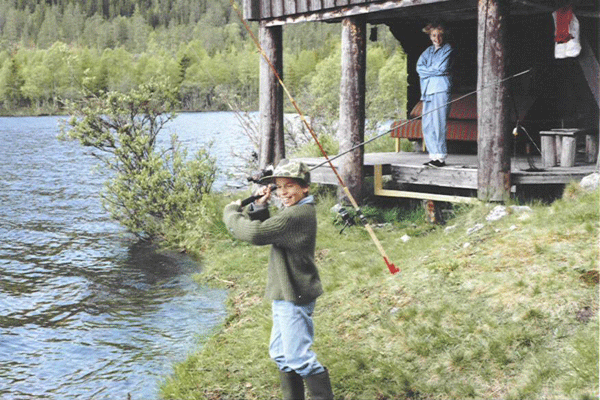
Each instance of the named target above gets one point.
<point>421,116</point>
<point>392,268</point>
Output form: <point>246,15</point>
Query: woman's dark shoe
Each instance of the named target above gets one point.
<point>435,163</point>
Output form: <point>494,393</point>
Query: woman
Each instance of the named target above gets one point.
<point>434,69</point>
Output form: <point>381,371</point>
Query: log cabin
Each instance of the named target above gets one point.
<point>495,39</point>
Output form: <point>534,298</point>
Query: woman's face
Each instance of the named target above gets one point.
<point>437,37</point>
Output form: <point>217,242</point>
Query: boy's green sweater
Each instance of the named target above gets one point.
<point>292,232</point>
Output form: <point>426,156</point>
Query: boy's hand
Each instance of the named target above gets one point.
<point>265,193</point>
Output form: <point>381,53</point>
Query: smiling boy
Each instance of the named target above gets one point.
<point>293,282</point>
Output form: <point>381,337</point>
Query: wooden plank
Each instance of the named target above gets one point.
<point>464,178</point>
<point>323,175</point>
<point>380,191</point>
<point>553,176</point>
<point>252,9</point>
<point>315,5</point>
<point>289,7</point>
<point>302,6</point>
<point>265,9</point>
<point>328,3</point>
<point>277,8</point>
<point>465,164</point>
<point>338,9</point>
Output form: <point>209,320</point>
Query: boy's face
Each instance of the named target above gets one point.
<point>290,191</point>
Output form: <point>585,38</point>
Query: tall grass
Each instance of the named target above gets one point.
<point>507,312</point>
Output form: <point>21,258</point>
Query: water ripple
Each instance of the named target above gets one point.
<point>85,311</point>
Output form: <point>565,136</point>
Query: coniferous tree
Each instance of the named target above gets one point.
<point>116,44</point>
<point>12,82</point>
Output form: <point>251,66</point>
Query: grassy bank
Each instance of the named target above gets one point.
<point>509,311</point>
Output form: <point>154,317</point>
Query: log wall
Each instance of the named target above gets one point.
<point>272,9</point>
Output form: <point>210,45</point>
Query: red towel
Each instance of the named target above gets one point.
<point>563,19</point>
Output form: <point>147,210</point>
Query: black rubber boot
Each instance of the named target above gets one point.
<point>292,386</point>
<point>319,386</point>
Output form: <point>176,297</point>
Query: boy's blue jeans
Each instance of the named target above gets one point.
<point>291,338</point>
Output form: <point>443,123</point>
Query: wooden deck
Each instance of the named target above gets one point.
<point>407,170</point>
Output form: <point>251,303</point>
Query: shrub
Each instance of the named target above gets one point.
<point>150,189</point>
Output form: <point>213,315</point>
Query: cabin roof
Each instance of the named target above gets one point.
<point>279,12</point>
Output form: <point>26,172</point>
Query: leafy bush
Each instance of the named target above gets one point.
<point>150,189</point>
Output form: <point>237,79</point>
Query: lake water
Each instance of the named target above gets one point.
<point>85,311</point>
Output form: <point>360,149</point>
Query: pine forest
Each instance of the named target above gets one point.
<point>57,50</point>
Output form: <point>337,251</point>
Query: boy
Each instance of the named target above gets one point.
<point>293,283</point>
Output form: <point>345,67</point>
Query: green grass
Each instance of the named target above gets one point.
<point>508,312</point>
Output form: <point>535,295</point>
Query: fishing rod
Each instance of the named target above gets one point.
<point>420,116</point>
<point>392,268</point>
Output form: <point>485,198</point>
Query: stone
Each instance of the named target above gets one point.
<point>474,229</point>
<point>590,182</point>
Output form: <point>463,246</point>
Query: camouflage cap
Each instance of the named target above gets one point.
<point>289,169</point>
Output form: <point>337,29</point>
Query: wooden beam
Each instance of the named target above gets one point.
<point>277,8</point>
<point>493,139</point>
<point>251,9</point>
<point>453,177</point>
<point>380,191</point>
<point>289,7</point>
<point>316,5</point>
<point>272,146</point>
<point>302,6</point>
<point>352,104</point>
<point>591,69</point>
<point>344,9</point>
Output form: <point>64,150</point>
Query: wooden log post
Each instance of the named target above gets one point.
<point>549,153</point>
<point>352,104</point>
<point>272,145</point>
<point>493,139</point>
<point>591,148</point>
<point>567,153</point>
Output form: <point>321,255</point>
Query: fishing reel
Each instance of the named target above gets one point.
<point>263,173</point>
<point>255,178</point>
<point>345,216</point>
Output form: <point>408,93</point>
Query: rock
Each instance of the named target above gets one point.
<point>474,229</point>
<point>520,209</point>
<point>497,213</point>
<point>524,217</point>
<point>501,211</point>
<point>590,182</point>
<point>450,228</point>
